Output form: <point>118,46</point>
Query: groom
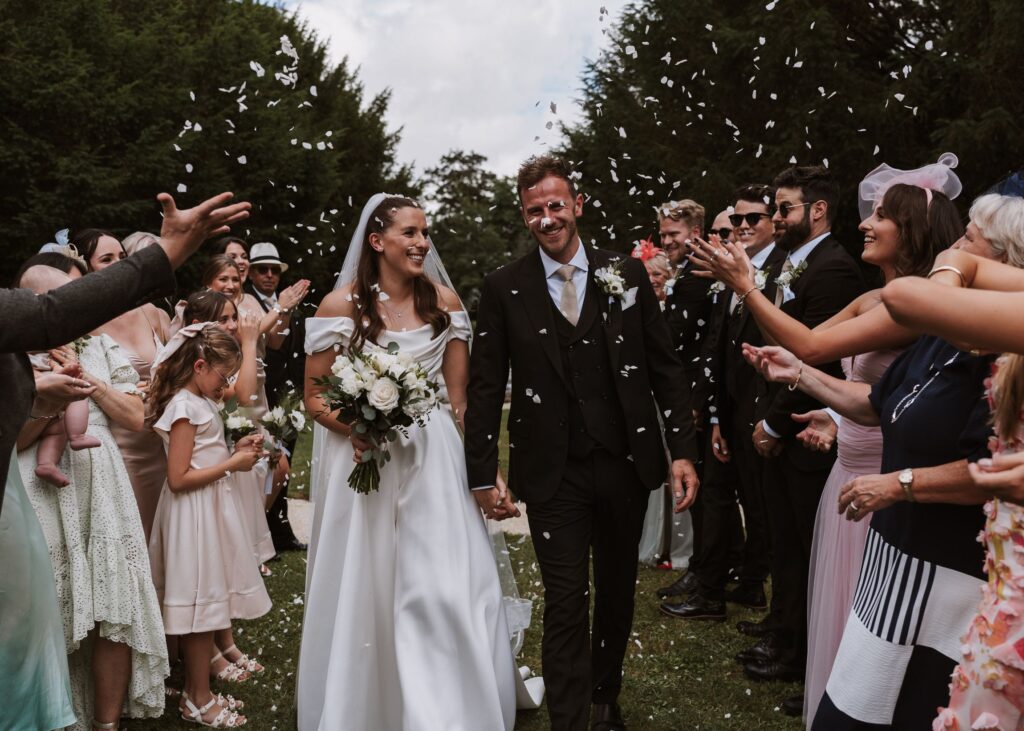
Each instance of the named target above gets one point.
<point>593,368</point>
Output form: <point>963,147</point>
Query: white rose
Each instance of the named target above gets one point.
<point>341,363</point>
<point>298,420</point>
<point>384,395</point>
<point>351,383</point>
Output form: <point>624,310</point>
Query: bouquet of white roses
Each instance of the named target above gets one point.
<point>380,394</point>
<point>285,421</point>
<point>236,423</point>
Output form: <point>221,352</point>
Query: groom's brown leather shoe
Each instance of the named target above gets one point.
<point>607,717</point>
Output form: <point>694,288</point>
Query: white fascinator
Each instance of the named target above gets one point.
<point>937,177</point>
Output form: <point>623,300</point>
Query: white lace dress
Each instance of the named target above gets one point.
<point>99,554</point>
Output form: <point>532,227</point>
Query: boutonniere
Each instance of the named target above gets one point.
<point>611,281</point>
<point>716,288</point>
<point>760,279</point>
<point>670,285</point>
<point>786,279</point>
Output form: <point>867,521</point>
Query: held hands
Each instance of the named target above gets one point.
<point>55,390</point>
<point>684,476</point>
<point>248,451</point>
<point>764,443</point>
<point>728,263</point>
<point>497,503</point>
<point>1003,476</point>
<point>820,432</point>
<point>719,447</point>
<point>775,363</point>
<point>183,230</point>
<point>868,493</point>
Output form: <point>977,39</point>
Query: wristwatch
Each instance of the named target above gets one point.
<point>906,478</point>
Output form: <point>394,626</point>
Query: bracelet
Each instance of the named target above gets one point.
<point>800,372</point>
<point>948,268</point>
<point>46,417</point>
<point>740,298</point>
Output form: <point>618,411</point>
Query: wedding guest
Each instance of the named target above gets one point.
<point>31,671</point>
<point>140,333</point>
<point>908,220</point>
<point>817,280</point>
<point>734,473</point>
<point>98,551</point>
<point>138,241</point>
<point>202,564</point>
<point>285,367</point>
<point>69,263</point>
<point>235,249</point>
<point>687,310</point>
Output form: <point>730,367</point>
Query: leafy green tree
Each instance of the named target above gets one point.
<point>475,220</point>
<point>692,99</point>
<point>105,103</point>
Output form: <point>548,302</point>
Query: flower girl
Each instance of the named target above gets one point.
<point>200,551</point>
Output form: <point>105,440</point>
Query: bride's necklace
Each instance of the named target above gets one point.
<point>390,314</point>
<point>907,401</point>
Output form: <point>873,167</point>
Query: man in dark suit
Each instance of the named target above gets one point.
<point>592,366</point>
<point>733,470</point>
<point>285,366</point>
<point>688,311</point>
<point>818,278</point>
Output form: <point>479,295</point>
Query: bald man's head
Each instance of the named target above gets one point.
<point>41,279</point>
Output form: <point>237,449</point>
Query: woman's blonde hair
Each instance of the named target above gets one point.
<point>213,345</point>
<point>1000,218</point>
<point>1008,397</point>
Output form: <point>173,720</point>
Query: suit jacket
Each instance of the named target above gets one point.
<point>40,322</point>
<point>285,366</point>
<point>740,388</point>
<point>516,328</point>
<point>688,311</point>
<point>831,281</point>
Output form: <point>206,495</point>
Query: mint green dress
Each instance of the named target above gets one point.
<point>33,662</point>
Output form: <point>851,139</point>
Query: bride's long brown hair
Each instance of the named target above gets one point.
<point>369,323</point>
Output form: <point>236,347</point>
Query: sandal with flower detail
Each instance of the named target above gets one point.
<point>245,662</point>
<point>230,673</point>
<point>224,719</point>
<point>229,702</point>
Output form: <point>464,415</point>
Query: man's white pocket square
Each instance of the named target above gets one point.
<point>629,298</point>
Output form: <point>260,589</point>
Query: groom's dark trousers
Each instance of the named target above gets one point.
<point>585,449</point>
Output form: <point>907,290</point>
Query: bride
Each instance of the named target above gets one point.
<point>405,626</point>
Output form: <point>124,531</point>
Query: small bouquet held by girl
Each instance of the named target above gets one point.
<point>283,424</point>
<point>380,394</point>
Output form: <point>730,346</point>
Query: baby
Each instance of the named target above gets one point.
<point>69,429</point>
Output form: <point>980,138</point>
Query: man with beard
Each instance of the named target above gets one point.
<point>593,369</point>
<point>735,468</point>
<point>687,310</point>
<point>818,278</point>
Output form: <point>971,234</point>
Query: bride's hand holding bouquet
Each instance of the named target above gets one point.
<point>379,394</point>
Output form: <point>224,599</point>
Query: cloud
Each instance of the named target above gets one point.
<point>468,75</point>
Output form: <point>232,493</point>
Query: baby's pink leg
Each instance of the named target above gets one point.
<point>51,447</point>
<point>76,423</point>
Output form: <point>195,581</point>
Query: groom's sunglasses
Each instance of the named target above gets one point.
<point>737,219</point>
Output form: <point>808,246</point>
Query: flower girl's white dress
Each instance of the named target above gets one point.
<point>404,627</point>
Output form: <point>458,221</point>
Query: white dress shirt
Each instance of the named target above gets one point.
<point>555,281</point>
<point>271,301</point>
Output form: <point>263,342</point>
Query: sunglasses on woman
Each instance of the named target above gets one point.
<point>736,219</point>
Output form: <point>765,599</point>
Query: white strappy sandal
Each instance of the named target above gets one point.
<point>224,719</point>
<point>245,662</point>
<point>230,673</point>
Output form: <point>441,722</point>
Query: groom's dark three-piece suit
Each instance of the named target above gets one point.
<point>585,450</point>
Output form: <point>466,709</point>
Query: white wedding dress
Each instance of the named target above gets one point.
<point>405,627</point>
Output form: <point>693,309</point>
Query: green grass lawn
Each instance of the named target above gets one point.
<point>678,675</point>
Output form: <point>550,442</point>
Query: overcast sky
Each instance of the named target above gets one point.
<point>468,74</point>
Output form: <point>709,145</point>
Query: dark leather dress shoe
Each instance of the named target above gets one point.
<point>753,629</point>
<point>752,597</point>
<point>685,584</point>
<point>696,607</point>
<point>773,671</point>
<point>794,705</point>
<point>290,544</point>
<point>763,652</point>
<point>607,717</point>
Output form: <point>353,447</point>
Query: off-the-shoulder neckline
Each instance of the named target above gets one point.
<point>393,332</point>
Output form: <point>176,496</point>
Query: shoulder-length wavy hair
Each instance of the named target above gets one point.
<point>369,323</point>
<point>213,345</point>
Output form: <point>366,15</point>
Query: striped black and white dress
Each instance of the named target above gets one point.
<point>923,566</point>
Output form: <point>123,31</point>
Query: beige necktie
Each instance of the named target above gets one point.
<point>569,304</point>
<point>780,291</point>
